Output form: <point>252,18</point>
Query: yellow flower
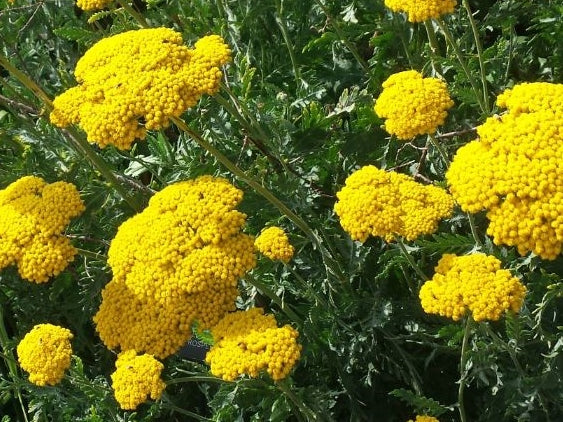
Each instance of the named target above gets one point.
<point>421,10</point>
<point>274,243</point>
<point>45,353</point>
<point>177,261</point>
<point>93,4</point>
<point>32,216</point>
<point>136,81</point>
<point>474,283</point>
<point>413,105</point>
<point>248,342</point>
<point>136,378</point>
<point>386,204</point>
<point>514,170</point>
<point>423,418</point>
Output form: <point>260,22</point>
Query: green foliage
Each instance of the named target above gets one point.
<point>295,114</point>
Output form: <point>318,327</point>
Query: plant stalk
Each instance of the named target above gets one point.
<point>410,259</point>
<point>137,16</point>
<point>303,408</point>
<point>434,46</point>
<point>462,370</point>
<point>441,151</point>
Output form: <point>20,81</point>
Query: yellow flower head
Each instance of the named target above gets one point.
<point>136,81</point>
<point>32,216</point>
<point>473,283</point>
<point>514,170</point>
<point>45,353</point>
<point>136,378</point>
<point>93,4</point>
<point>178,260</point>
<point>385,204</point>
<point>248,342</point>
<point>274,243</point>
<point>421,10</point>
<point>413,105</point>
<point>423,418</point>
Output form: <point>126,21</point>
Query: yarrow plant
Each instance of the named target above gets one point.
<point>33,215</point>
<point>413,105</point>
<point>177,261</point>
<point>472,283</point>
<point>514,170</point>
<point>136,378</point>
<point>248,342</point>
<point>384,204</point>
<point>424,418</point>
<point>136,81</point>
<point>93,4</point>
<point>45,353</point>
<point>274,243</point>
<point>422,10</point>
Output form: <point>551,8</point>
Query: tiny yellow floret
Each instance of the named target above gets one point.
<point>136,378</point>
<point>249,342</point>
<point>422,10</point>
<point>93,4</point>
<point>386,204</point>
<point>137,81</point>
<point>274,243</point>
<point>33,215</point>
<point>471,283</point>
<point>514,170</point>
<point>413,105</point>
<point>424,418</point>
<point>45,353</point>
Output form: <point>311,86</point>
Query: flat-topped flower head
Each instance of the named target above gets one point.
<point>93,4</point>
<point>514,171</point>
<point>422,10</point>
<point>249,342</point>
<point>471,283</point>
<point>424,418</point>
<point>274,243</point>
<point>136,378</point>
<point>45,353</point>
<point>413,105</point>
<point>177,261</point>
<point>384,204</point>
<point>33,215</point>
<point>137,81</point>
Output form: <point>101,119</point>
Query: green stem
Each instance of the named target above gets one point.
<point>410,259</point>
<point>440,150</point>
<point>10,361</point>
<point>89,254</point>
<point>26,81</point>
<point>137,16</point>
<point>342,36</point>
<point>283,28</point>
<point>434,46</point>
<point>462,370</point>
<point>303,408</point>
<point>274,298</point>
<point>307,287</point>
<point>184,412</point>
<point>462,62</point>
<point>196,379</point>
<point>473,227</point>
<point>479,46</point>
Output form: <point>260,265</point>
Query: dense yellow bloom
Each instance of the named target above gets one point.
<point>421,10</point>
<point>136,379</point>
<point>423,418</point>
<point>274,243</point>
<point>474,283</point>
<point>178,260</point>
<point>248,342</point>
<point>136,81</point>
<point>93,4</point>
<point>385,204</point>
<point>514,170</point>
<point>45,353</point>
<point>413,105</point>
<point>32,216</point>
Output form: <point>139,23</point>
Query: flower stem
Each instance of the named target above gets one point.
<point>303,408</point>
<point>410,259</point>
<point>195,378</point>
<point>473,227</point>
<point>283,29</point>
<point>434,46</point>
<point>137,16</point>
<point>441,151</point>
<point>463,63</point>
<point>479,54</point>
<point>462,369</point>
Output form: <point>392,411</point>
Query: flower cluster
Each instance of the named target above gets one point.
<point>424,418</point>
<point>386,204</point>
<point>32,216</point>
<point>45,353</point>
<point>413,105</point>
<point>137,81</point>
<point>514,170</point>
<point>422,10</point>
<point>178,260</point>
<point>473,283</point>
<point>136,378</point>
<point>92,4</point>
<point>274,243</point>
<point>248,342</point>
